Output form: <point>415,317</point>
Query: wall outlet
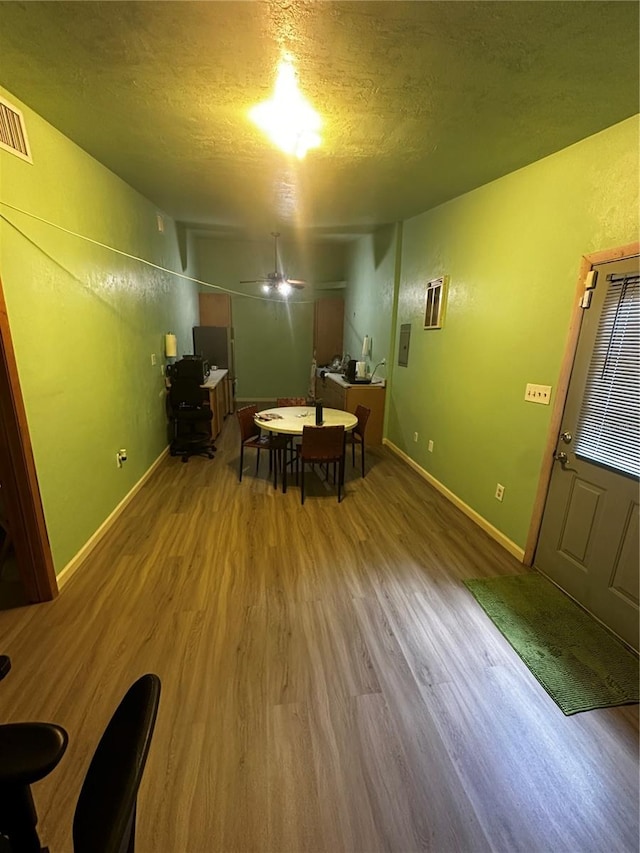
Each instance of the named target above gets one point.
<point>415,436</point>
<point>499,492</point>
<point>153,359</point>
<point>430,446</point>
<point>538,394</point>
<point>383,362</point>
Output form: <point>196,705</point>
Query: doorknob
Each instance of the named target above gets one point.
<point>562,458</point>
<point>566,437</point>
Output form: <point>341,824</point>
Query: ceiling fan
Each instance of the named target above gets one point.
<point>277,281</point>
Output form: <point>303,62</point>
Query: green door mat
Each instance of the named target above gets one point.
<point>578,662</point>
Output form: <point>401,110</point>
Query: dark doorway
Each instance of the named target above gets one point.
<point>28,556</point>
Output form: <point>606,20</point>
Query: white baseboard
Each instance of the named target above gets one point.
<point>74,563</point>
<point>493,532</point>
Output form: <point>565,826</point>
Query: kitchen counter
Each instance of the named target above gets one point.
<point>340,379</point>
<point>336,393</point>
<point>214,377</point>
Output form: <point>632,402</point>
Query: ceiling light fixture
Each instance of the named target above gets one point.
<point>288,118</point>
<point>282,288</point>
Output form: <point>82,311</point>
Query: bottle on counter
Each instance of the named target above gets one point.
<point>318,412</point>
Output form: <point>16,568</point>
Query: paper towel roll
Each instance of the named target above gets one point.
<point>365,346</point>
<point>170,346</point>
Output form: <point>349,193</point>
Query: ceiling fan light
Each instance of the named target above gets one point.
<point>284,288</point>
<point>266,288</point>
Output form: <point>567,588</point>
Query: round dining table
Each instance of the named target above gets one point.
<point>290,420</point>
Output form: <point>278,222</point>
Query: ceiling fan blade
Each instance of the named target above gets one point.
<point>295,282</point>
<point>255,281</point>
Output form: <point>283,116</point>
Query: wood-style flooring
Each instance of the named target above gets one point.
<point>328,683</point>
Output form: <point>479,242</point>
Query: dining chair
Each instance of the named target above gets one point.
<point>251,436</point>
<point>357,435</point>
<point>284,402</point>
<point>322,445</point>
<point>291,401</point>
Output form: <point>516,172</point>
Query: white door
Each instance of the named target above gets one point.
<point>589,536</point>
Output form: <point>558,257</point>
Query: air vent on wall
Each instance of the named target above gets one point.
<point>13,133</point>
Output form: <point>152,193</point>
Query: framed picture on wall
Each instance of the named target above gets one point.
<point>435,300</point>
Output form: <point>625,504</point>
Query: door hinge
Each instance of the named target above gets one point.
<point>589,286</point>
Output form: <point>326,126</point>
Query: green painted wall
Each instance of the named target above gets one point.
<point>274,348</point>
<point>512,250</point>
<point>85,320</point>
<point>369,297</point>
<point>84,323</point>
<point>273,341</point>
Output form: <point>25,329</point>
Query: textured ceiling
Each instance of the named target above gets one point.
<point>421,101</point>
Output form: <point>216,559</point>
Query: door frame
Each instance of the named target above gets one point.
<point>18,475</point>
<point>575,323</point>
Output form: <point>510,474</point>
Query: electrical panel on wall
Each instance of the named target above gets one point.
<point>403,349</point>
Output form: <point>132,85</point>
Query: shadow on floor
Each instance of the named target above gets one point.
<point>11,590</point>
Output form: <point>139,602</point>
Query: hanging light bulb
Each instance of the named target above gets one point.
<point>288,118</point>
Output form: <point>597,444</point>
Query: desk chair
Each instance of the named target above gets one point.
<point>322,444</point>
<point>357,436</point>
<point>105,815</point>
<point>191,419</point>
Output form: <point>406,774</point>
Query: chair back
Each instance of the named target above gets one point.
<point>291,401</point>
<point>104,820</point>
<point>185,391</point>
<point>362,414</point>
<point>248,427</point>
<point>322,443</point>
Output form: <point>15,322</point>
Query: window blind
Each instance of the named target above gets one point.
<point>608,429</point>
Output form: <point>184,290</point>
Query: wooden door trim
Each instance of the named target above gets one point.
<point>586,265</point>
<point>19,478</point>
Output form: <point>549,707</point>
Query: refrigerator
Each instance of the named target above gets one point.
<point>215,344</point>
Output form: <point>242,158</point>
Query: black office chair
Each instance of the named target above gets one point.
<point>191,419</point>
<point>105,815</point>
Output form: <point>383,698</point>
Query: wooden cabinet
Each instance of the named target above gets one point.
<point>217,386</point>
<point>328,325</point>
<point>220,405</point>
<point>335,395</point>
<point>215,309</point>
<point>230,395</point>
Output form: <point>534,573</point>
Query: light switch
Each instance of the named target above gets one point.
<point>538,394</point>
